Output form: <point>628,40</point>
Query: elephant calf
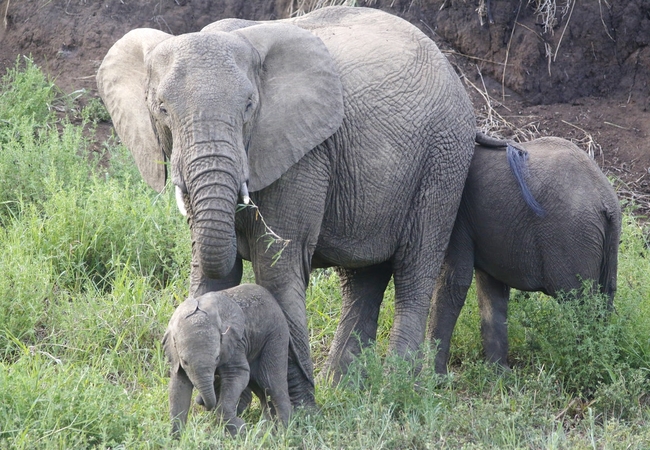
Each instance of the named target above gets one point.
<point>223,342</point>
<point>564,229</point>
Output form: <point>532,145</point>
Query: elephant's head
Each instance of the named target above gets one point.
<point>236,103</point>
<point>199,337</point>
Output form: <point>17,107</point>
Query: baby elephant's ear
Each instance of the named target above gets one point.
<point>170,351</point>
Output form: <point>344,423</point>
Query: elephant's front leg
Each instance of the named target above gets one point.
<point>288,287</point>
<point>362,293</point>
<point>270,378</point>
<point>180,395</point>
<point>234,379</point>
<point>294,210</point>
<point>493,298</point>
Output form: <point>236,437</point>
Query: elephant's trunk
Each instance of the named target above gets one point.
<point>213,184</point>
<point>205,386</point>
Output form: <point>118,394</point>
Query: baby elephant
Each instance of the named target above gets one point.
<point>551,226</point>
<point>222,342</point>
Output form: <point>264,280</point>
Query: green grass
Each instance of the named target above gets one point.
<point>92,263</point>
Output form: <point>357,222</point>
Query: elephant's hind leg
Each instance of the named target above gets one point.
<point>270,380</point>
<point>448,299</point>
<point>493,298</point>
<point>413,291</point>
<point>415,269</point>
<point>426,235</point>
<point>362,292</point>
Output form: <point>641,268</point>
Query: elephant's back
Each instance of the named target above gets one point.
<point>567,175</point>
<point>379,55</point>
<point>560,175</point>
<point>403,149</point>
<point>536,253</point>
<point>249,296</point>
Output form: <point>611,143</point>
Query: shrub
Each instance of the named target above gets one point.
<point>25,93</point>
<point>577,339</point>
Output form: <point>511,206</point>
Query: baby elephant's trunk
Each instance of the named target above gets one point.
<point>206,389</point>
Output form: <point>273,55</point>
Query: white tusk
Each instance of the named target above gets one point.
<point>243,191</point>
<point>180,201</point>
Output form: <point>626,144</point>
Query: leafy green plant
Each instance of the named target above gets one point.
<point>25,93</point>
<point>577,338</point>
<point>95,112</point>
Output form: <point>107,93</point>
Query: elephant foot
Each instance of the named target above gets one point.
<point>235,426</point>
<point>440,363</point>
<point>301,389</point>
<point>502,368</point>
<point>309,410</point>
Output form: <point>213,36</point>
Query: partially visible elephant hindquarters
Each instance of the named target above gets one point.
<point>547,221</point>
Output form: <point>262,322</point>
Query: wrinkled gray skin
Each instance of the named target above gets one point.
<point>354,134</point>
<point>222,342</point>
<point>498,237</point>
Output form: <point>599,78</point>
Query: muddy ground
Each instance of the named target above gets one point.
<point>581,71</point>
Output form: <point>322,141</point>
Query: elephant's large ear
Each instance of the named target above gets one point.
<point>301,99</point>
<point>121,82</point>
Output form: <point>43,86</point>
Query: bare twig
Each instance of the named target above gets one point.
<point>631,192</point>
<point>33,350</point>
<point>505,62</point>
<point>557,48</point>
<point>271,236</point>
<point>491,122</point>
<point>600,7</point>
<point>618,126</point>
<point>587,142</point>
<point>158,19</point>
<point>6,12</point>
<point>66,10</point>
<point>452,52</point>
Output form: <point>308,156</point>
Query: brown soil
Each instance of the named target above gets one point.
<point>585,78</point>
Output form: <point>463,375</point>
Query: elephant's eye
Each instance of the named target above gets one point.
<point>249,104</point>
<point>162,108</point>
<point>248,111</point>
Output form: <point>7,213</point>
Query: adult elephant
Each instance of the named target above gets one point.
<point>539,217</point>
<point>352,133</point>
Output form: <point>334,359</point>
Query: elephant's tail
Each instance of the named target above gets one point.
<point>609,264</point>
<point>517,159</point>
<point>489,141</point>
